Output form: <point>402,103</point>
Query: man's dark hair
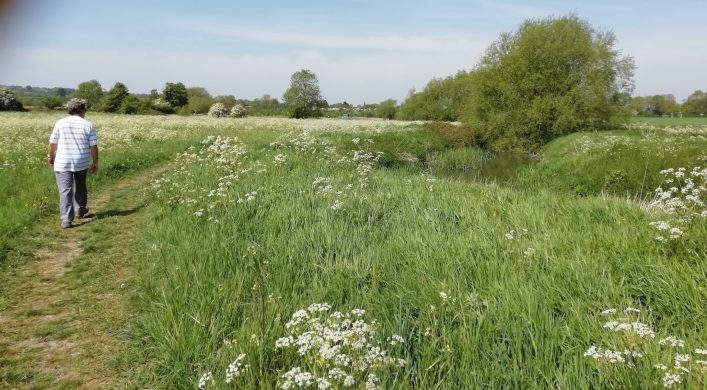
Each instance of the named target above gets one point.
<point>76,106</point>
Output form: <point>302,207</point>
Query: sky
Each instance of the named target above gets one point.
<point>362,51</point>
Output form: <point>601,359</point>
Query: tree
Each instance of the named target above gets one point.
<point>386,109</point>
<point>91,91</point>
<point>696,104</point>
<point>52,101</point>
<point>61,92</point>
<point>8,102</point>
<point>441,100</point>
<point>175,94</point>
<point>303,98</point>
<point>113,99</point>
<point>552,77</point>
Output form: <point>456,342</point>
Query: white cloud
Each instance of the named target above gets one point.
<point>298,39</point>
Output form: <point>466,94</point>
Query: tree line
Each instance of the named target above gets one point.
<point>301,100</point>
<point>551,77</point>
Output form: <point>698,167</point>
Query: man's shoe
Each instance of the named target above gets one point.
<point>82,213</point>
<point>65,224</point>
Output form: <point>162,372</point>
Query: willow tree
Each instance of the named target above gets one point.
<point>552,77</point>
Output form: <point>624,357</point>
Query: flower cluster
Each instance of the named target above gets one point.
<point>335,348</point>
<point>638,341</point>
<point>238,111</point>
<point>682,198</point>
<point>217,110</point>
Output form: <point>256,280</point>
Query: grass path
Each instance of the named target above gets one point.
<point>63,313</point>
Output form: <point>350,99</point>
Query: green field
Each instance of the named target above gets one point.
<point>474,270</point>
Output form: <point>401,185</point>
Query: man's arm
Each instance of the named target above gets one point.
<point>94,158</point>
<point>51,153</point>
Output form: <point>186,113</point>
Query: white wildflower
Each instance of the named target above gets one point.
<point>205,380</point>
<point>670,379</point>
<point>234,369</point>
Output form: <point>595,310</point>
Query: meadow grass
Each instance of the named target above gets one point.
<point>491,285</point>
<point>429,259</point>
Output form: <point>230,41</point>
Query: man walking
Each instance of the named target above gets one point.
<point>72,143</point>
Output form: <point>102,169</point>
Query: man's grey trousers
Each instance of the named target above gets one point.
<point>72,193</point>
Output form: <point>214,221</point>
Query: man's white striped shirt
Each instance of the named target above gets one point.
<point>74,137</point>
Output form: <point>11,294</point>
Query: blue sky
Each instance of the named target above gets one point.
<point>361,50</point>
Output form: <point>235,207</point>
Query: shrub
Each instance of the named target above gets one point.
<point>217,110</point>
<point>238,111</point>
<point>8,102</point>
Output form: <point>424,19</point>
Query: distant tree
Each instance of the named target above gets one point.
<point>552,77</point>
<point>663,104</point>
<point>8,102</point>
<point>386,109</point>
<point>51,101</point>
<point>91,91</point>
<point>266,105</point>
<point>113,99</point>
<point>695,104</point>
<point>61,92</point>
<point>197,91</point>
<point>175,94</point>
<point>303,97</point>
<point>154,94</point>
<point>228,100</point>
<point>133,105</point>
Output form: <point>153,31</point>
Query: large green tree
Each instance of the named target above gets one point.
<point>303,98</point>
<point>175,94</point>
<point>552,77</point>
<point>91,91</point>
<point>113,99</point>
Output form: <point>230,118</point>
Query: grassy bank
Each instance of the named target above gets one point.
<point>490,286</point>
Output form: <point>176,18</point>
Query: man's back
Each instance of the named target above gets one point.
<point>74,136</point>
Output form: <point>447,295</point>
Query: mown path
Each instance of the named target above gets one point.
<point>64,312</point>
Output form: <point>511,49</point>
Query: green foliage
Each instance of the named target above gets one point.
<point>175,94</point>
<point>386,109</point>
<point>91,91</point>
<point>303,97</point>
<point>656,105</point>
<point>133,105</point>
<point>441,100</point>
<point>621,163</point>
<point>696,104</point>
<point>8,102</point>
<point>460,135</point>
<point>113,99</point>
<point>552,77</point>
<point>51,102</point>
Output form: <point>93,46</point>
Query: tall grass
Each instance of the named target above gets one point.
<point>430,259</point>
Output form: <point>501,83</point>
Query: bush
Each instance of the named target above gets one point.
<point>217,110</point>
<point>52,102</point>
<point>8,102</point>
<point>162,106</point>
<point>238,111</point>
